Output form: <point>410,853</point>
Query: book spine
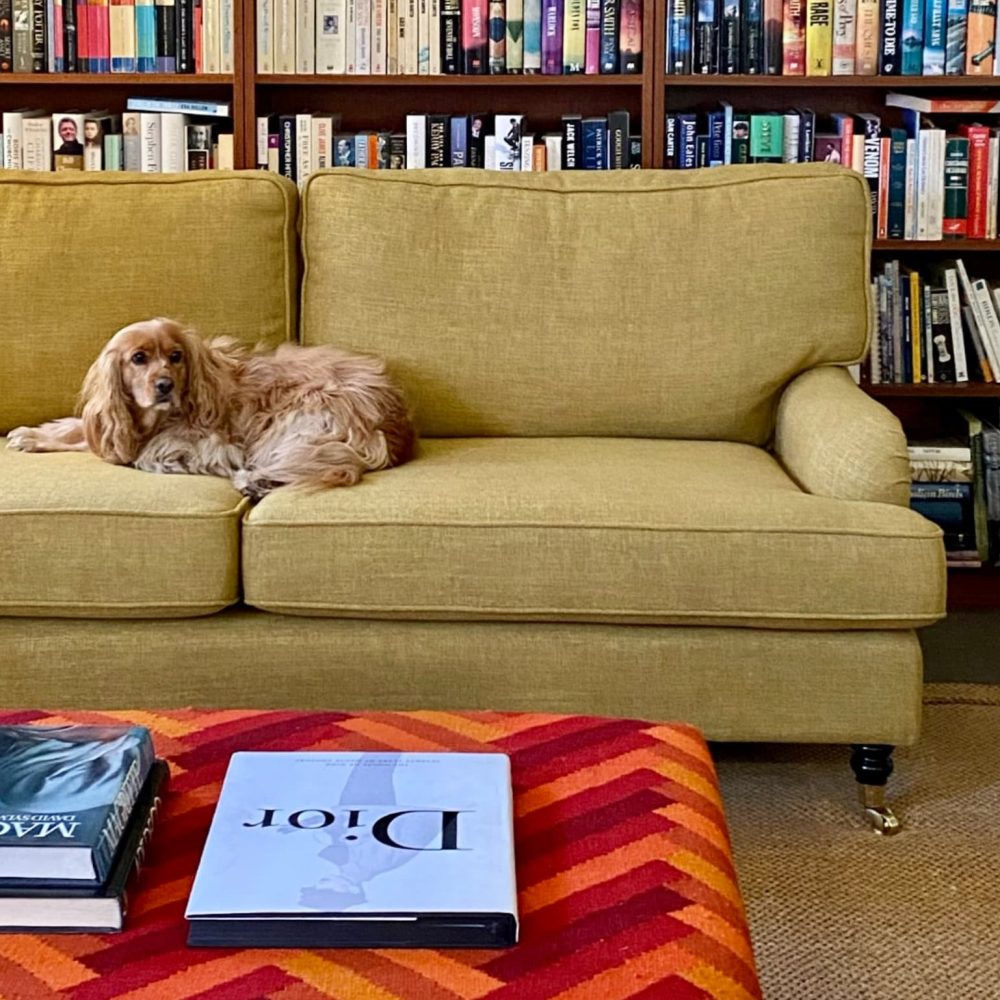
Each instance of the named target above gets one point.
<point>679,20</point>
<point>935,38</point>
<point>630,36</point>
<point>618,151</point>
<point>574,48</point>
<point>514,30</point>
<point>845,24</point>
<point>819,37</point>
<point>729,38</point>
<point>956,188</point>
<point>610,16</point>
<point>954,56</point>
<point>305,36</point>
<point>572,133</point>
<point>7,36</point>
<point>890,57</point>
<point>752,57</point>
<point>794,38</point>
<point>532,36</point>
<point>897,184</point>
<point>121,808</point>
<point>39,57</point>
<point>912,18</point>
<point>552,37</point>
<point>474,36</point>
<point>980,37</point>
<point>451,37</point>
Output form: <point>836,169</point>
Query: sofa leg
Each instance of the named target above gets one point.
<point>872,765</point>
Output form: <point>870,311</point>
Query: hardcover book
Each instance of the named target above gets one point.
<point>367,850</point>
<point>102,909</point>
<point>66,793</point>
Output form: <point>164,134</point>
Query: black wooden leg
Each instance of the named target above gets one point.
<point>872,765</point>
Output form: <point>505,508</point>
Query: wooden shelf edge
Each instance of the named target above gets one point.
<point>949,246</point>
<point>961,390</point>
<point>117,79</point>
<point>504,80</point>
<point>902,83</point>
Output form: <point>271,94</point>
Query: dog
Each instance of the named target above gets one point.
<point>162,399</point>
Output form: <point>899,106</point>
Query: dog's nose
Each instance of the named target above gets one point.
<point>164,386</point>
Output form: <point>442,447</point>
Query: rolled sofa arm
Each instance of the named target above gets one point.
<point>836,441</point>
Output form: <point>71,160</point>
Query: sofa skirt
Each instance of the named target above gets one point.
<point>735,684</point>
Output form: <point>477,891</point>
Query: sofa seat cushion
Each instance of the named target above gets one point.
<point>80,538</point>
<point>593,529</point>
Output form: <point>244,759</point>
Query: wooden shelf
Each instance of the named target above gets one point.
<point>937,390</point>
<point>938,246</point>
<point>973,589</point>
<point>499,80</point>
<point>82,80</point>
<point>902,83</point>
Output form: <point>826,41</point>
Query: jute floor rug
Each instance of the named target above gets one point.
<point>839,913</point>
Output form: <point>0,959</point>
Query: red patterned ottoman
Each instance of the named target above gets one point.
<point>626,883</point>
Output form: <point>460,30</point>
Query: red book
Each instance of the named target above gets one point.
<point>475,41</point>
<point>882,219</point>
<point>793,36</point>
<point>979,160</point>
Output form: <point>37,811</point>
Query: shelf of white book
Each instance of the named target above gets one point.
<point>496,80</point>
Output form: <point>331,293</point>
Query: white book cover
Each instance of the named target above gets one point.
<point>507,144</point>
<point>305,37</point>
<point>553,152</point>
<point>363,37</point>
<point>380,40</point>
<point>331,36</point>
<point>344,844</point>
<point>910,217</point>
<point>284,37</point>
<point>36,144</point>
<point>416,141</point>
<point>265,36</point>
<point>224,153</point>
<point>989,325</point>
<point>391,37</point>
<point>434,7</point>
<point>322,142</point>
<point>351,36</point>
<point>149,141</point>
<point>211,34</point>
<point>955,318</point>
<point>423,37</point>
<point>227,37</point>
<point>527,147</point>
<point>303,148</point>
<point>992,186</point>
<point>173,143</point>
<point>410,56</point>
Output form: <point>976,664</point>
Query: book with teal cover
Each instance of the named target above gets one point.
<point>66,795</point>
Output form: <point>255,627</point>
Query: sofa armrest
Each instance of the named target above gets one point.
<point>836,441</point>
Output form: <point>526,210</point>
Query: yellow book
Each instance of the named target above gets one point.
<point>574,36</point>
<point>916,326</point>
<point>819,37</point>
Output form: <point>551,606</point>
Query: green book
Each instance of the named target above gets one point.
<point>956,188</point>
<point>767,138</point>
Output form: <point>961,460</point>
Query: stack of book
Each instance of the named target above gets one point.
<point>77,807</point>
<point>955,482</point>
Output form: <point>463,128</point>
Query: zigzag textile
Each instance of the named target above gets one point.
<point>626,884</point>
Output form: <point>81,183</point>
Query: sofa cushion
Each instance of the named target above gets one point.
<point>593,529</point>
<point>80,538</point>
<point>82,255</point>
<point>534,305</point>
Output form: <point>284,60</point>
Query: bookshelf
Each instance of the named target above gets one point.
<point>381,103</point>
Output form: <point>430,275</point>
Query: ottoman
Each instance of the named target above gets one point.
<point>626,883</point>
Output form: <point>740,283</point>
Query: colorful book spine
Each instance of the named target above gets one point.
<point>532,36</point>
<point>980,38</point>
<point>630,37</point>
<point>794,38</point>
<point>475,40</point>
<point>913,37</point>
<point>845,26</point>
<point>956,188</point>
<point>515,33</point>
<point>592,56</point>
<point>574,48</point>
<point>679,22</point>
<point>552,37</point>
<point>610,18</point>
<point>707,20</point>
<point>935,37</point>
<point>890,56</point>
<point>954,56</point>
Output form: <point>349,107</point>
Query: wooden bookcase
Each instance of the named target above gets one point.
<point>381,102</point>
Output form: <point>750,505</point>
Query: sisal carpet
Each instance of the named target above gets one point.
<point>839,913</point>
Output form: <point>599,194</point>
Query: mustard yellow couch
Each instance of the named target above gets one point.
<point>647,485</point>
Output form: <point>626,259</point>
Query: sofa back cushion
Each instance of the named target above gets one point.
<point>667,304</point>
<point>82,255</point>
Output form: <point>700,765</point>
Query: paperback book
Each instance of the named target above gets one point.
<point>369,850</point>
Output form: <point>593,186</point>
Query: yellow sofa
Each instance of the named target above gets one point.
<point>647,484</point>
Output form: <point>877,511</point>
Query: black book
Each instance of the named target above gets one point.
<point>7,36</point>
<point>436,154</point>
<point>890,49</point>
<point>66,793</point>
<point>451,36</point>
<point>64,909</point>
<point>610,17</point>
<point>572,129</point>
<point>618,148</point>
<point>184,27</point>
<point>480,126</point>
<point>286,146</point>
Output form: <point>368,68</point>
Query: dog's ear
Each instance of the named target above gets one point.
<point>107,420</point>
<point>205,399</point>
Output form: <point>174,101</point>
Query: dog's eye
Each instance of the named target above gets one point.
<point>139,358</point>
<point>175,357</point>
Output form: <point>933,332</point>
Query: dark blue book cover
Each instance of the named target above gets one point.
<point>680,15</point>
<point>459,145</point>
<point>595,144</point>
<point>687,141</point>
<point>66,794</point>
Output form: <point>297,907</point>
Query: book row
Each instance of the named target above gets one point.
<point>123,36</point>
<point>140,141</point>
<point>927,182</point>
<point>942,325</point>
<point>295,145</point>
<point>955,482</point>
<point>824,38</point>
<point>449,36</point>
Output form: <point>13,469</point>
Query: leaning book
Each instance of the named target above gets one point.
<point>66,795</point>
<point>373,850</point>
<point>42,907</point>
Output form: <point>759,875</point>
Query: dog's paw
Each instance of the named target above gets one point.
<point>23,439</point>
<point>252,485</point>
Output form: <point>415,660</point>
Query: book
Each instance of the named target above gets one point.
<point>375,850</point>
<point>214,109</point>
<point>66,793</point>
<point>64,909</point>
<point>942,105</point>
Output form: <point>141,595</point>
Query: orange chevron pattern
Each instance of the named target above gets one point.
<point>627,886</point>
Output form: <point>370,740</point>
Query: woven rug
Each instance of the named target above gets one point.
<point>626,884</point>
<point>840,914</point>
